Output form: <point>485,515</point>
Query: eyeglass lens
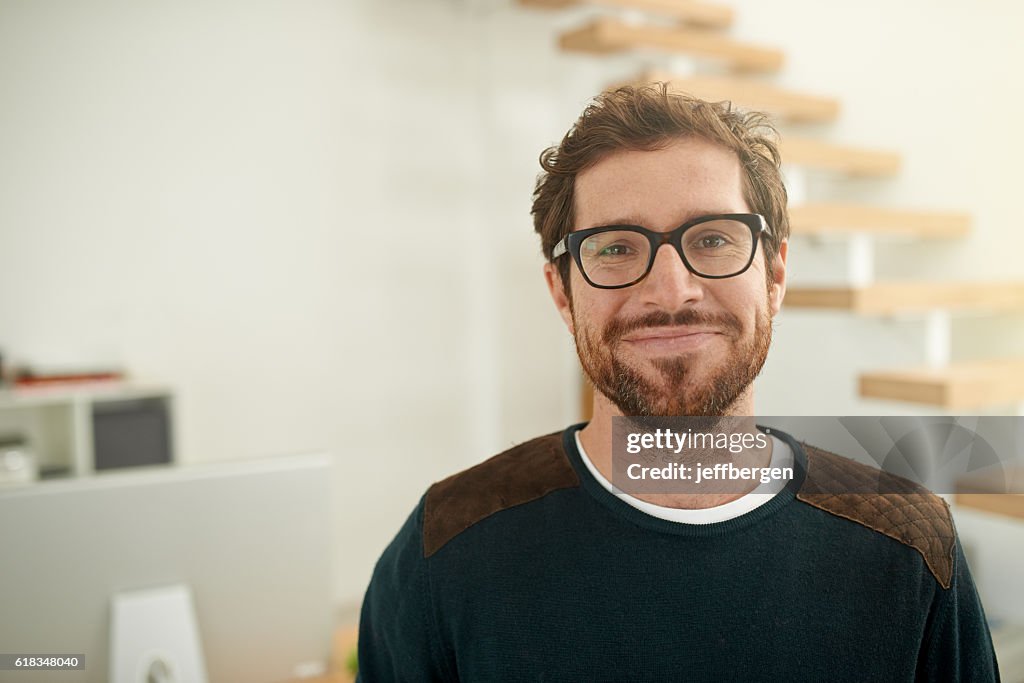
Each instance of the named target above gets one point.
<point>717,248</point>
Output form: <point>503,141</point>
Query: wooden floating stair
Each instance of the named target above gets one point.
<point>607,35</point>
<point>703,14</point>
<point>755,95</point>
<point>887,298</point>
<point>830,218</point>
<point>990,492</point>
<point>827,156</point>
<point>955,387</point>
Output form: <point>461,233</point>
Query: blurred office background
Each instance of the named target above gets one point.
<point>311,221</point>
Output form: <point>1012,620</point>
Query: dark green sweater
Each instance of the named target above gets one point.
<point>524,568</point>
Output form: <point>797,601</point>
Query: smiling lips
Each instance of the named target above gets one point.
<point>676,338</point>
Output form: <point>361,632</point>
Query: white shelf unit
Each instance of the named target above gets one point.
<point>56,422</point>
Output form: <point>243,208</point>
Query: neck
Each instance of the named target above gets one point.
<point>597,441</point>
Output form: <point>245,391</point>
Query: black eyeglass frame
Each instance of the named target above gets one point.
<point>572,243</point>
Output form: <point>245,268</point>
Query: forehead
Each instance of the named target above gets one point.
<point>662,188</point>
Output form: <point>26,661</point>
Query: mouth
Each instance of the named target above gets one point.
<point>671,339</point>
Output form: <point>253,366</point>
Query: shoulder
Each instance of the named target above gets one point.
<point>519,475</point>
<point>891,505</point>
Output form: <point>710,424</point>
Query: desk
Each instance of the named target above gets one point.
<point>344,641</point>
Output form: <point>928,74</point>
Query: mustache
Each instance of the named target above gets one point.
<point>620,327</point>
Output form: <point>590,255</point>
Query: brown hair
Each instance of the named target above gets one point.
<point>650,117</point>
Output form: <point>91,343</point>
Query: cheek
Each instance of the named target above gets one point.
<point>747,300</point>
<point>594,308</point>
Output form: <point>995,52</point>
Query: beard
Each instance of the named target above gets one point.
<point>677,391</point>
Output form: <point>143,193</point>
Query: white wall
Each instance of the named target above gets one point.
<point>312,217</point>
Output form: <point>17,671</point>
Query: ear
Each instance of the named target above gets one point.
<point>777,290</point>
<point>557,292</point>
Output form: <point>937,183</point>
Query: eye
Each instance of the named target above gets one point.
<point>617,250</point>
<point>614,248</point>
<point>710,241</point>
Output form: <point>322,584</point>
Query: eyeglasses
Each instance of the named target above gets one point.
<point>616,256</point>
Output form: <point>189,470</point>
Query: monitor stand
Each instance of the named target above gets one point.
<point>154,638</point>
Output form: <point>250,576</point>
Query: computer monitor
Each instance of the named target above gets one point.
<point>249,539</point>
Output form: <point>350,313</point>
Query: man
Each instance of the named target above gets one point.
<point>664,222</point>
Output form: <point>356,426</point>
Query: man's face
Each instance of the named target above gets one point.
<point>674,343</point>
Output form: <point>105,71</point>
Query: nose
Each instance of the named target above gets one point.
<point>670,285</point>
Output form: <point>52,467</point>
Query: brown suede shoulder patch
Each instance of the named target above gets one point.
<point>521,474</point>
<point>905,511</point>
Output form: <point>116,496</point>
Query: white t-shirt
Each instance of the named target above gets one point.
<point>782,456</point>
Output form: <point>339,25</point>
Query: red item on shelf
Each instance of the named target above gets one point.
<point>47,380</point>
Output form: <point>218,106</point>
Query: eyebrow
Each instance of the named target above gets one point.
<point>636,220</point>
